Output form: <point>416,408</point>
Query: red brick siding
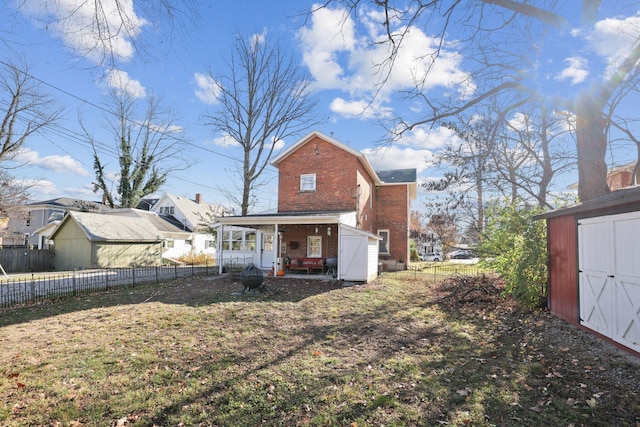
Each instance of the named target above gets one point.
<point>619,180</point>
<point>336,179</point>
<point>392,213</point>
<point>299,233</point>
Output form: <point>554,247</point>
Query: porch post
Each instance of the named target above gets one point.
<point>219,243</point>
<point>276,249</point>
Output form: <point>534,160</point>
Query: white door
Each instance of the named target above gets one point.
<point>352,264</point>
<point>267,250</point>
<point>609,274</point>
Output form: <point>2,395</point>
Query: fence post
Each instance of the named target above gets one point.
<point>175,271</point>
<point>106,278</point>
<point>156,274</point>
<point>73,283</point>
<point>133,276</point>
<point>33,288</point>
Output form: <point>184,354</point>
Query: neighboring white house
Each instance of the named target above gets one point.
<point>428,243</point>
<point>187,215</point>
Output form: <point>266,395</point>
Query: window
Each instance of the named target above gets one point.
<point>209,244</point>
<point>28,218</point>
<point>314,246</point>
<point>168,244</point>
<point>236,240</point>
<point>250,241</point>
<point>383,247</point>
<point>308,182</point>
<point>167,210</point>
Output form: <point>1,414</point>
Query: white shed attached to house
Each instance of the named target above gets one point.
<point>357,255</point>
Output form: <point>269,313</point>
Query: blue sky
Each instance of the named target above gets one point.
<point>338,55</point>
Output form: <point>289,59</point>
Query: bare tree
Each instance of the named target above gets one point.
<point>24,109</point>
<point>504,38</point>
<point>444,227</point>
<point>529,151</point>
<point>263,97</point>
<point>13,201</point>
<point>147,149</point>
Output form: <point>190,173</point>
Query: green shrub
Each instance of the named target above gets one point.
<point>515,245</point>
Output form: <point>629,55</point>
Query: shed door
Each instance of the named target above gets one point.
<point>609,265</point>
<point>353,258</point>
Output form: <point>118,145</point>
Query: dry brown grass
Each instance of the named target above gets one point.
<point>394,352</point>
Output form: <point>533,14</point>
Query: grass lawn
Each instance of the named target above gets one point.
<point>396,352</point>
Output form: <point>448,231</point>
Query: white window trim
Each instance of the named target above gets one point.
<point>309,255</point>
<point>308,182</point>
<point>388,238</point>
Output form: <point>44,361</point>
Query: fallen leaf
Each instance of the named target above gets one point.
<point>592,403</point>
<point>463,392</point>
<point>20,385</point>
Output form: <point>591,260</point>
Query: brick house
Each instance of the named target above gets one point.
<point>329,196</point>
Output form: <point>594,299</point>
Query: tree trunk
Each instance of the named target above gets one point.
<point>591,148</point>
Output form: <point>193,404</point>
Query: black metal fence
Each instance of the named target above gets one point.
<point>439,271</point>
<point>40,287</point>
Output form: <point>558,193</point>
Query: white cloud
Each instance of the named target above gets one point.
<point>81,28</point>
<point>121,81</point>
<point>428,138</point>
<point>577,70</point>
<point>339,58</point>
<point>40,188</point>
<point>358,108</point>
<point>166,129</point>
<point>84,192</point>
<point>225,141</point>
<point>614,38</point>
<point>279,145</point>
<point>52,163</point>
<point>207,90</point>
<point>331,32</point>
<point>394,157</point>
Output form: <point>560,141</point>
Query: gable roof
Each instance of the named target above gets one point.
<point>115,228</point>
<point>191,210</point>
<point>163,223</point>
<point>69,203</point>
<point>315,134</point>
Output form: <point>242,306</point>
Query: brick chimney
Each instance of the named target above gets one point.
<point>198,198</point>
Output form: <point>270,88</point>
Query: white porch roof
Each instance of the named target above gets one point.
<point>258,221</point>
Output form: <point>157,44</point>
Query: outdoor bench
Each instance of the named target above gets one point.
<point>305,264</point>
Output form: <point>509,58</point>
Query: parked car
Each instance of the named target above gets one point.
<point>431,256</point>
<point>460,254</point>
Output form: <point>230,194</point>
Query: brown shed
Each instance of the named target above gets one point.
<point>594,266</point>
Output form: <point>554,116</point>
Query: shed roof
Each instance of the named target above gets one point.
<point>625,196</point>
<point>100,227</point>
<point>398,176</point>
